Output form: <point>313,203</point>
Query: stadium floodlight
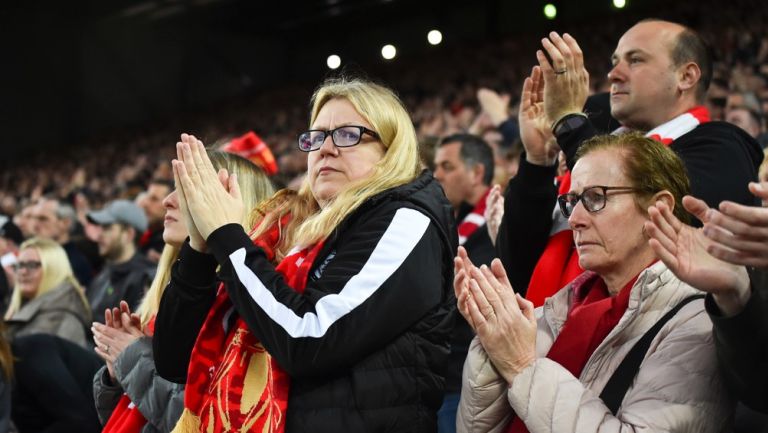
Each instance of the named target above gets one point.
<point>619,4</point>
<point>388,51</point>
<point>550,11</point>
<point>434,37</point>
<point>333,61</point>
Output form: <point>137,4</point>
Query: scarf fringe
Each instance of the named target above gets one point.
<point>188,423</point>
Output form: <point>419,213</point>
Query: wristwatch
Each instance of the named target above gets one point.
<point>568,123</point>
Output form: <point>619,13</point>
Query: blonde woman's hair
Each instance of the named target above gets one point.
<point>55,268</point>
<point>254,185</point>
<point>384,111</point>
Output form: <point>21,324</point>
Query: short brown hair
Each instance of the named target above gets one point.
<point>649,165</point>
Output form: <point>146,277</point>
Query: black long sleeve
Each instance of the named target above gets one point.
<point>528,203</point>
<point>742,345</point>
<point>380,279</point>
<point>183,309</point>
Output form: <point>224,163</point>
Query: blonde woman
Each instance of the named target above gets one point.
<point>356,312</point>
<point>130,397</point>
<point>47,299</point>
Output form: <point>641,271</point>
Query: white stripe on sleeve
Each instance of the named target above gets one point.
<point>404,232</point>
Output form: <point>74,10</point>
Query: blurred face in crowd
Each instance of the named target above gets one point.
<point>456,178</point>
<point>610,239</point>
<point>742,118</point>
<point>152,203</point>
<point>112,241</point>
<point>25,220</point>
<point>29,273</point>
<point>644,81</point>
<point>174,228</point>
<point>45,223</point>
<point>330,168</point>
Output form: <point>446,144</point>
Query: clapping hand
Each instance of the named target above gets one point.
<point>503,320</point>
<point>566,80</point>
<point>494,212</point>
<point>686,252</point>
<point>120,329</point>
<point>212,199</point>
<point>535,132</point>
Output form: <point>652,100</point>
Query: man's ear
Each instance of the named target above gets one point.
<point>688,77</point>
<point>478,173</point>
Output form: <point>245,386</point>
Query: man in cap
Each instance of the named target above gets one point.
<point>126,273</point>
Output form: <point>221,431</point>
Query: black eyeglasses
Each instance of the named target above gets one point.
<point>31,265</point>
<point>593,198</point>
<point>345,136</point>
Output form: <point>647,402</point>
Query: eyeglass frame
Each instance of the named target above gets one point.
<point>30,265</point>
<point>561,199</point>
<point>330,132</point>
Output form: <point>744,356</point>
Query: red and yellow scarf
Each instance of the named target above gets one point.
<point>233,384</point>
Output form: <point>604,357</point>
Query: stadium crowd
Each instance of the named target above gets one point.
<point>586,252</point>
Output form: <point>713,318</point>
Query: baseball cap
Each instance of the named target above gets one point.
<point>120,211</point>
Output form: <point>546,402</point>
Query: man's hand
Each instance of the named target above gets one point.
<point>535,130</point>
<point>566,81</point>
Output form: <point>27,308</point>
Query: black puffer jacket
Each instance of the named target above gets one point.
<point>366,342</point>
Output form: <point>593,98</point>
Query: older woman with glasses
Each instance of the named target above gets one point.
<point>626,346</point>
<point>47,299</point>
<point>347,285</point>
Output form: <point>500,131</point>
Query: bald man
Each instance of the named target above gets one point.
<point>659,79</point>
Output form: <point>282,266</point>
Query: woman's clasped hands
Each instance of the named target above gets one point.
<point>503,320</point>
<point>207,199</point>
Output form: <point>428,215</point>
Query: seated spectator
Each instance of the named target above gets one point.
<point>55,220</point>
<point>592,358</point>
<point>128,391</point>
<point>51,390</point>
<point>126,273</point>
<point>464,167</point>
<point>47,298</point>
<point>151,243</point>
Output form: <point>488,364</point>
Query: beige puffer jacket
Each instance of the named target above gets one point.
<point>678,387</point>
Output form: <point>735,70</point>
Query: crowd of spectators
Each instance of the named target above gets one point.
<point>447,102</point>
<point>107,206</point>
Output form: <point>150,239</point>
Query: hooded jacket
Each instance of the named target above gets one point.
<point>366,343</point>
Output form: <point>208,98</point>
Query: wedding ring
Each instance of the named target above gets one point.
<point>561,71</point>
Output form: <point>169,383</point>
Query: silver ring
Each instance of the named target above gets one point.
<point>561,71</point>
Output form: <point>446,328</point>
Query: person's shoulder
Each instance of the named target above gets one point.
<point>718,132</point>
<point>719,136</point>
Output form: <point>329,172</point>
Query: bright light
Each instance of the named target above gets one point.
<point>434,37</point>
<point>619,4</point>
<point>333,61</point>
<point>388,52</point>
<point>550,11</point>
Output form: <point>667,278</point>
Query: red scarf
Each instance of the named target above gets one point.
<point>559,263</point>
<point>233,384</point>
<point>592,316</point>
<point>473,220</point>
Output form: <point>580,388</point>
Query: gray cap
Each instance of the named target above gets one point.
<point>120,211</point>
